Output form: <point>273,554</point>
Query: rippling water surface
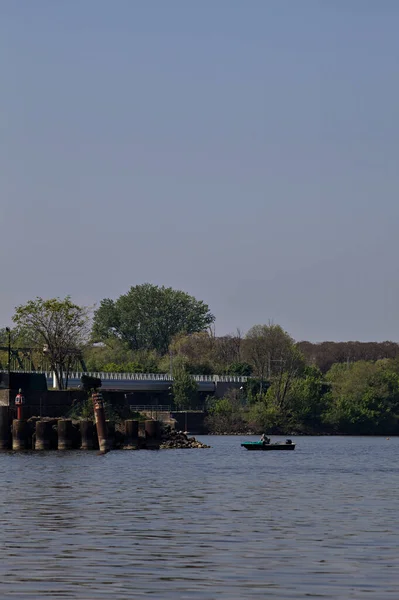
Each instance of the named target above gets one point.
<point>203,524</point>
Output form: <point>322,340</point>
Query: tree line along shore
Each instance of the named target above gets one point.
<point>291,386</point>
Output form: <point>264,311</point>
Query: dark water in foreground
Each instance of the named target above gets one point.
<point>319,522</point>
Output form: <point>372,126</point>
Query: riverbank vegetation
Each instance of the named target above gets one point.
<point>357,399</point>
<point>291,387</point>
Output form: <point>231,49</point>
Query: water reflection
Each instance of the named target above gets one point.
<point>202,524</point>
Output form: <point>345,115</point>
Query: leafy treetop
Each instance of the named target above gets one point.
<point>148,317</point>
<point>57,325</point>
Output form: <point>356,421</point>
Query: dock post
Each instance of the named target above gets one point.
<point>65,434</point>
<point>111,432</point>
<point>87,435</point>
<point>151,433</point>
<point>19,434</point>
<point>43,435</point>
<point>131,434</point>
<point>5,424</point>
<point>99,415</point>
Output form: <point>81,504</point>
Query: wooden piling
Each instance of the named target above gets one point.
<point>43,435</point>
<point>87,435</point>
<point>101,426</point>
<point>19,434</point>
<point>110,434</point>
<point>65,434</point>
<point>131,434</point>
<point>5,428</point>
<point>151,429</point>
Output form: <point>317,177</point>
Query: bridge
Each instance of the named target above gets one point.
<point>143,382</point>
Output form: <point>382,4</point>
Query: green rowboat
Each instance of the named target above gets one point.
<point>262,446</point>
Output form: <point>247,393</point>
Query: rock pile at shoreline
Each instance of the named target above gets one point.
<point>177,439</point>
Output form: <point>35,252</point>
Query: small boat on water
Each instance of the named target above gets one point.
<point>265,446</point>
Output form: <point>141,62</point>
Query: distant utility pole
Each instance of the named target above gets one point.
<point>8,330</point>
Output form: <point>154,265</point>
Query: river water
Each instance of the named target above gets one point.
<point>204,524</point>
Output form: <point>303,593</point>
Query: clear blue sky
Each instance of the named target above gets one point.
<point>245,151</point>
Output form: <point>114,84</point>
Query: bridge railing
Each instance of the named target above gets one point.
<point>105,376</point>
<point>150,407</point>
<point>158,377</point>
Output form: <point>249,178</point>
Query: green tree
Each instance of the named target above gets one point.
<point>196,348</point>
<point>274,357</point>
<point>307,401</point>
<point>173,363</point>
<point>97,356</point>
<point>265,417</point>
<point>291,365</point>
<point>364,398</point>
<point>239,368</point>
<point>227,415</point>
<point>58,326</point>
<point>148,317</point>
<point>184,389</point>
<point>264,346</point>
<point>252,392</point>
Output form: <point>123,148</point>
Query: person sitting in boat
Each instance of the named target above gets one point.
<point>264,439</point>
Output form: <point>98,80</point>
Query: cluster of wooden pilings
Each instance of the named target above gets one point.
<point>65,434</point>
